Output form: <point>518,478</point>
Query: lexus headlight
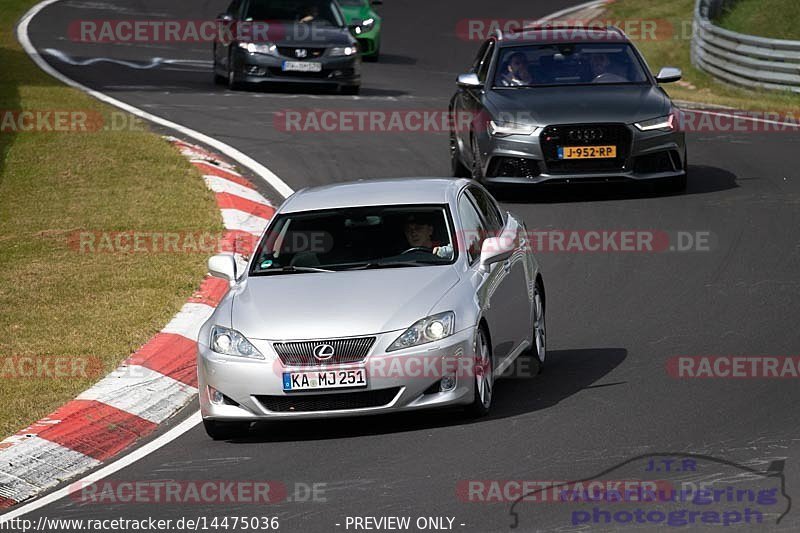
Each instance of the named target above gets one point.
<point>661,123</point>
<point>508,128</point>
<point>430,329</point>
<point>260,48</point>
<point>231,342</point>
<point>343,50</point>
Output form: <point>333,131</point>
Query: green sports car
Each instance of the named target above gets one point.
<point>366,25</point>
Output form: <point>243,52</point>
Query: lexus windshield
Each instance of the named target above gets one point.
<point>356,238</point>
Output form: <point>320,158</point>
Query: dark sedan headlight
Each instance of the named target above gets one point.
<point>230,342</point>
<point>665,123</point>
<point>504,129</point>
<point>429,329</point>
<point>342,51</point>
<point>267,49</point>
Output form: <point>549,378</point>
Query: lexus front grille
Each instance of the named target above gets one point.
<point>329,352</point>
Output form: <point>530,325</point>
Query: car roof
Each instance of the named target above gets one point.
<point>549,33</point>
<point>396,191</point>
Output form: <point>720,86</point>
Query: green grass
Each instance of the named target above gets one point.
<point>778,19</point>
<point>55,301</point>
<point>674,50</point>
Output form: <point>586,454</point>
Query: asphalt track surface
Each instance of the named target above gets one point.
<point>614,318</point>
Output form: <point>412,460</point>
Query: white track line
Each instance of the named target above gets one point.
<point>263,172</point>
<point>260,170</point>
<point>104,472</point>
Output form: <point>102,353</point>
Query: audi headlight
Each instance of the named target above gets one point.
<point>260,48</point>
<point>508,128</point>
<point>343,50</point>
<point>666,123</point>
<point>230,342</point>
<point>430,329</point>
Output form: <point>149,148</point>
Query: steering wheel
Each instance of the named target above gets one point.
<point>417,249</point>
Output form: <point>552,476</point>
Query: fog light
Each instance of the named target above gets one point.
<point>216,397</point>
<point>448,383</point>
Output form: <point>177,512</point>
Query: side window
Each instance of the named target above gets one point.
<point>483,70</point>
<point>487,208</point>
<point>473,231</point>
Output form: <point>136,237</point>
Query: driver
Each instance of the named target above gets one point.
<point>599,64</point>
<point>517,73</point>
<point>309,14</point>
<point>418,230</point>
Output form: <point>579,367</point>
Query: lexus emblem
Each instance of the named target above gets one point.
<point>301,52</point>
<point>323,352</point>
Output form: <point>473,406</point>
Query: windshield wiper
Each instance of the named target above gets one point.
<point>291,269</point>
<point>393,264</point>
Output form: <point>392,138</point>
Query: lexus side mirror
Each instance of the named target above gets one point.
<point>222,266</point>
<point>496,249</point>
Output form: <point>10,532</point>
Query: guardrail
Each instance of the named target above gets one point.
<point>745,60</point>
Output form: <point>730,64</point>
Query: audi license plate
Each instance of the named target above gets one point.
<point>587,152</point>
<point>301,66</point>
<point>325,379</point>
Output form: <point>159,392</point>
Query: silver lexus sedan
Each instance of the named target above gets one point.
<point>369,297</point>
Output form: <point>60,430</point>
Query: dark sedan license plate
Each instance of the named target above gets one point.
<point>301,66</point>
<point>325,379</point>
<point>587,152</point>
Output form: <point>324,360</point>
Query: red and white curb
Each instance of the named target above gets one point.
<point>148,387</point>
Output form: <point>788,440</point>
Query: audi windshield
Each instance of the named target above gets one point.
<point>568,64</point>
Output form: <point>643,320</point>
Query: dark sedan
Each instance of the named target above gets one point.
<point>286,41</point>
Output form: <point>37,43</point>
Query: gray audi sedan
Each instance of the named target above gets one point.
<point>369,297</point>
<point>565,104</point>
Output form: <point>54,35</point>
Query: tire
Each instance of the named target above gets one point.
<point>352,90</point>
<point>538,351</point>
<point>219,80</point>
<point>457,168</point>
<point>218,430</point>
<point>484,377</point>
<point>476,171</point>
<point>233,85</point>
